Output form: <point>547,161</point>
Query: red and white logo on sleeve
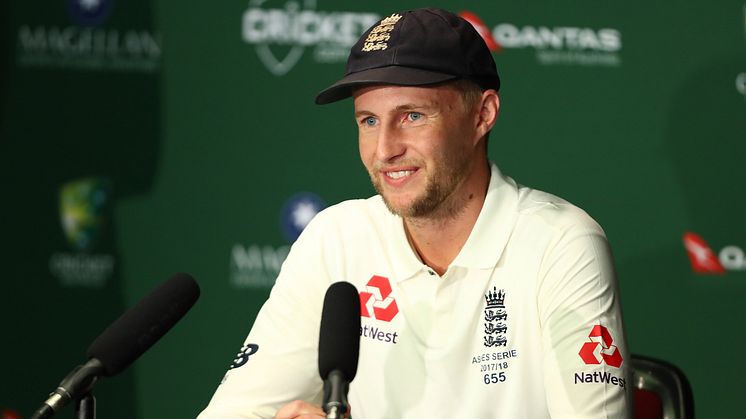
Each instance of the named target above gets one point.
<point>600,348</point>
<point>376,301</point>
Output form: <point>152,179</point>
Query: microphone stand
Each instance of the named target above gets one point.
<point>336,388</point>
<point>80,381</point>
<point>85,407</point>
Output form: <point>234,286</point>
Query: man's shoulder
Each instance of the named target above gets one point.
<point>354,211</point>
<point>553,212</point>
<point>539,211</point>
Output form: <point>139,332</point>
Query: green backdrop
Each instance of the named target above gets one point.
<point>138,140</point>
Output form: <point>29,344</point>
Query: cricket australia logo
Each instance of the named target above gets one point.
<point>281,32</point>
<point>495,317</point>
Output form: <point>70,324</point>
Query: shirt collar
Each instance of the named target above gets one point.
<point>404,259</point>
<point>494,225</point>
<point>486,242</point>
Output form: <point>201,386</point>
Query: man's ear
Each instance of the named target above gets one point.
<point>489,108</point>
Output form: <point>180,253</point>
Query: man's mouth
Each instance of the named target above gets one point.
<point>399,174</point>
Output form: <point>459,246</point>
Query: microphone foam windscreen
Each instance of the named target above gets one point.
<point>339,336</point>
<point>135,331</point>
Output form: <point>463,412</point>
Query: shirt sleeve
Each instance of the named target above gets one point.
<point>585,356</point>
<point>279,360</point>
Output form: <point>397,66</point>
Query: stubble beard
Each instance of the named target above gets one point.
<point>438,201</point>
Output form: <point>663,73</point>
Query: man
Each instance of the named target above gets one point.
<point>480,298</point>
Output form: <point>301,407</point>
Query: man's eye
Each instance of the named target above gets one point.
<point>414,116</point>
<point>369,121</point>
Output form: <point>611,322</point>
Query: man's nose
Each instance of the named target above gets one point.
<point>390,143</point>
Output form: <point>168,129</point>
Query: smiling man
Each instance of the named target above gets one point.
<point>479,297</point>
<point>425,151</point>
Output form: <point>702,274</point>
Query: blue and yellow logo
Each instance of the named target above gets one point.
<point>84,211</point>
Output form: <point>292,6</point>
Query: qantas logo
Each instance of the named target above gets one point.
<point>600,348</point>
<point>704,260</point>
<point>553,44</point>
<point>376,301</point>
<point>10,414</point>
<point>701,256</point>
<point>482,29</point>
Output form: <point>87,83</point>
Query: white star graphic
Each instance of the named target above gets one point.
<point>303,213</point>
<point>89,4</point>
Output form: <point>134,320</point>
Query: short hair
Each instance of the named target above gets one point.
<point>471,93</point>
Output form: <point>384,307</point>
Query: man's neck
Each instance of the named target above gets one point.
<point>439,239</point>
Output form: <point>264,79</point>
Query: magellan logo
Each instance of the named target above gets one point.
<point>257,266</point>
<point>704,261</point>
<point>600,348</point>
<point>88,43</point>
<point>376,301</point>
<point>281,35</point>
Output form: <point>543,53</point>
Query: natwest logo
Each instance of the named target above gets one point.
<point>600,348</point>
<point>704,261</point>
<point>376,301</point>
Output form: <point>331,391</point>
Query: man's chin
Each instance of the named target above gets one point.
<point>397,207</point>
<point>398,202</point>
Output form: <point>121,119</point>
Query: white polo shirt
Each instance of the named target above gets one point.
<point>525,323</point>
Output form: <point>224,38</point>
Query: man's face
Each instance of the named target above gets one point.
<point>418,145</point>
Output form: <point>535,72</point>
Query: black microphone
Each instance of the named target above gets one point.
<point>339,346</point>
<point>133,333</point>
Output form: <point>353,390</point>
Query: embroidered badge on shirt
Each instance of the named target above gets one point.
<point>378,37</point>
<point>493,364</point>
<point>495,316</point>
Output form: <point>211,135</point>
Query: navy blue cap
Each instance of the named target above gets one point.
<point>415,48</point>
